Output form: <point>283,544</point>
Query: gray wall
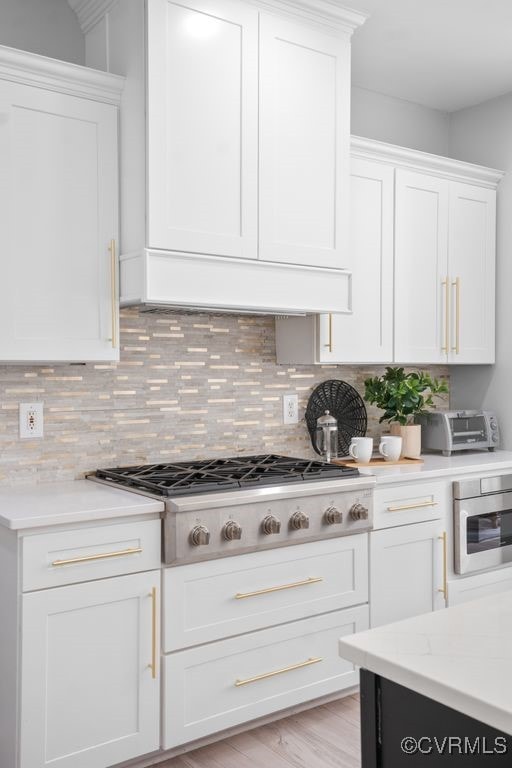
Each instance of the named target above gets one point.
<point>385,118</point>
<point>48,27</point>
<point>483,134</point>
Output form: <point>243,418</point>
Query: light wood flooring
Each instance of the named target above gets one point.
<point>324,737</point>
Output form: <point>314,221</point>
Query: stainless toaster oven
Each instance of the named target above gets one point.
<point>449,431</point>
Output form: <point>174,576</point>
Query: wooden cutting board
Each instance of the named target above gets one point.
<point>376,461</point>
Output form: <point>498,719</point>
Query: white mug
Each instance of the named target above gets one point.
<point>390,447</point>
<point>361,449</point>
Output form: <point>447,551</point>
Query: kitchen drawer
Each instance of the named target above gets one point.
<point>486,584</point>
<point>84,554</point>
<point>216,686</point>
<point>415,503</point>
<point>220,598</point>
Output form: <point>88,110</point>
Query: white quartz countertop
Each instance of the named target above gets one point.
<point>69,502</point>
<point>437,465</point>
<point>460,656</point>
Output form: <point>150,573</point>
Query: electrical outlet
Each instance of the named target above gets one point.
<point>31,420</point>
<point>290,409</point>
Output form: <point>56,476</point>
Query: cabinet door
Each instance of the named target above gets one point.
<point>88,694</point>
<point>472,261</point>
<point>304,144</point>
<point>406,572</point>
<point>58,215</point>
<point>421,268</point>
<point>202,127</point>
<point>366,336</point>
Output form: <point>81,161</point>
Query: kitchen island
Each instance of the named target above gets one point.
<point>440,676</point>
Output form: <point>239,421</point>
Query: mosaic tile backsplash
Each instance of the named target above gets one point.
<point>188,386</point>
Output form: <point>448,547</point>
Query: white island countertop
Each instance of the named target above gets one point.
<point>460,657</point>
<point>436,465</point>
<point>75,501</point>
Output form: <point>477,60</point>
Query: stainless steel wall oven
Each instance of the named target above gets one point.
<point>482,523</point>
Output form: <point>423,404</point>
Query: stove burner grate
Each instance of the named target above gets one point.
<point>242,472</point>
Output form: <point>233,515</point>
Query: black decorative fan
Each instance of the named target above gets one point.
<point>345,404</point>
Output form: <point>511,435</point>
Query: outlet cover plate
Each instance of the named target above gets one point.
<point>31,420</point>
<point>290,409</point>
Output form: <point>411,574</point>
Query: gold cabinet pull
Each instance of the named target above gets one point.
<point>265,591</point>
<point>102,556</point>
<point>456,348</point>
<point>444,588</point>
<point>152,666</point>
<point>113,284</point>
<point>266,675</point>
<point>329,325</point>
<point>419,505</point>
<point>446,345</point>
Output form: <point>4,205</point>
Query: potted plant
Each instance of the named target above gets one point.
<point>402,396</point>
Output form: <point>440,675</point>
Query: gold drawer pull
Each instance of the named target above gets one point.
<point>329,322</point>
<point>102,556</point>
<point>420,505</point>
<point>445,347</point>
<point>444,588</point>
<point>152,666</point>
<point>303,583</point>
<point>266,675</point>
<point>456,348</point>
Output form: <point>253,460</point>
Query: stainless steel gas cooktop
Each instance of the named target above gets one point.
<point>189,477</point>
<point>245,503</point>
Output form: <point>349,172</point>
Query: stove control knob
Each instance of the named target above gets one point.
<point>271,525</point>
<point>358,512</point>
<point>232,531</point>
<point>298,521</point>
<point>333,516</point>
<point>199,535</point>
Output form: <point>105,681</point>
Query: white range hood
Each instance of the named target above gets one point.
<point>235,134</point>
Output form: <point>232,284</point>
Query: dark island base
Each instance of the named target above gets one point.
<point>437,735</point>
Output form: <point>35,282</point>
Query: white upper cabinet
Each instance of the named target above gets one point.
<point>202,127</point>
<point>421,268</point>
<point>235,129</point>
<point>472,248</point>
<point>304,144</point>
<point>445,261</point>
<point>423,253</point>
<point>366,334</point>
<point>58,212</point>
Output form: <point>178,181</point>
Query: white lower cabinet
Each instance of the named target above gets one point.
<point>90,683</point>
<point>461,590</point>
<point>407,571</point>
<point>219,685</point>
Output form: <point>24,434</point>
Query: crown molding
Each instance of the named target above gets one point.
<point>327,12</point>
<point>89,12</point>
<point>33,69</point>
<point>455,170</point>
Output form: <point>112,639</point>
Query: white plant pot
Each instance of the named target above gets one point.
<point>411,439</point>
